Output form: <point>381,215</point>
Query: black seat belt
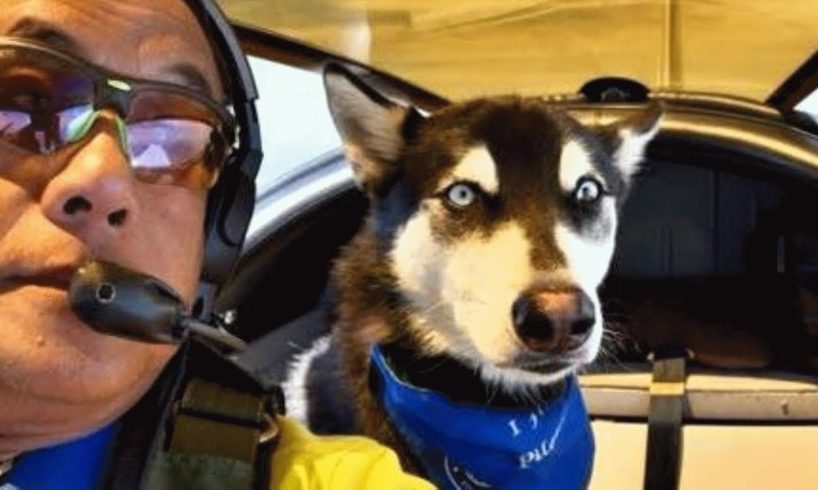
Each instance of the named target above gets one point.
<point>667,395</point>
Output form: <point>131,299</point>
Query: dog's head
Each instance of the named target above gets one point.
<point>497,218</point>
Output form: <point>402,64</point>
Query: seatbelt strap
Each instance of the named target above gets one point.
<point>667,395</point>
<point>215,420</point>
<point>220,432</point>
<point>219,439</point>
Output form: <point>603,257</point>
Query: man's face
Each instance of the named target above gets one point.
<point>58,378</point>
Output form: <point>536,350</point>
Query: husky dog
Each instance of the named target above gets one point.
<point>475,276</point>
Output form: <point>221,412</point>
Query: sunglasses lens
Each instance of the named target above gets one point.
<point>172,151</point>
<point>43,99</point>
<point>174,138</point>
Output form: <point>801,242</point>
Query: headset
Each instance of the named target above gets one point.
<point>231,201</point>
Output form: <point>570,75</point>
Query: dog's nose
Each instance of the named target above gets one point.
<point>554,321</point>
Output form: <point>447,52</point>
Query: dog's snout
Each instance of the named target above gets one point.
<point>555,321</point>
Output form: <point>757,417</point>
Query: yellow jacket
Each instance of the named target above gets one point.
<point>304,461</point>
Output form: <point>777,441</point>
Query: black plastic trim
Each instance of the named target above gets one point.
<point>795,88</point>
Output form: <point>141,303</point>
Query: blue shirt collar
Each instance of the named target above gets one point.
<point>79,464</point>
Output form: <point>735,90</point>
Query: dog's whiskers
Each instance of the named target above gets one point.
<point>433,307</point>
<point>431,368</point>
<point>615,341</point>
<point>491,390</point>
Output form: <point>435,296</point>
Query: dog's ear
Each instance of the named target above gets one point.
<point>370,125</point>
<point>629,138</point>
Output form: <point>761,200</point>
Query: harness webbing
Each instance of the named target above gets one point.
<point>218,421</point>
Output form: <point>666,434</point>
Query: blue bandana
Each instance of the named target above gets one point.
<point>78,465</point>
<point>471,447</point>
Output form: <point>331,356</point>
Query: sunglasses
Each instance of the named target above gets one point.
<point>50,100</point>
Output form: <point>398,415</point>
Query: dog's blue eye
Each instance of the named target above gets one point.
<point>461,195</point>
<point>587,191</point>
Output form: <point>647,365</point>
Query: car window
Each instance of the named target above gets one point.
<point>296,127</point>
<point>809,105</point>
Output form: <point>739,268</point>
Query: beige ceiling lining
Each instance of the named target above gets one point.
<point>470,48</point>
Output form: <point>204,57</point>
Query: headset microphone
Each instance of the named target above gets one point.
<point>117,301</point>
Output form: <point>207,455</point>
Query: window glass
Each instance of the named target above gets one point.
<point>809,105</point>
<point>296,126</point>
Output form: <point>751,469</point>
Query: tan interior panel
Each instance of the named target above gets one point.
<point>469,48</point>
<point>620,455</point>
<point>711,395</point>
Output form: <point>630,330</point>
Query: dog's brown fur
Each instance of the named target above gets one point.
<point>364,319</point>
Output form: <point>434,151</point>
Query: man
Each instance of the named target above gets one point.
<point>96,164</point>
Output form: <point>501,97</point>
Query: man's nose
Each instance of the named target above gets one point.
<point>93,195</point>
<point>553,320</point>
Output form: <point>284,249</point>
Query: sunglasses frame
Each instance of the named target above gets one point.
<point>117,91</point>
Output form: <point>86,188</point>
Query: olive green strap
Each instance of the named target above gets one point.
<point>213,420</point>
<point>175,471</point>
<point>215,438</point>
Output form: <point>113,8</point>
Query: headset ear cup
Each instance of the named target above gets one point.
<point>230,208</point>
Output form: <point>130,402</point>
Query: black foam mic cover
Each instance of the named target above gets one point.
<point>117,301</point>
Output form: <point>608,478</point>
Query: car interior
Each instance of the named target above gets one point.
<point>717,252</point>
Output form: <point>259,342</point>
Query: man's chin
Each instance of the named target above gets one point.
<point>60,379</point>
<point>64,368</point>
<point>30,420</point>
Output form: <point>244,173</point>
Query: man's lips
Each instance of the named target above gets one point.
<point>56,278</point>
